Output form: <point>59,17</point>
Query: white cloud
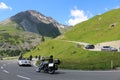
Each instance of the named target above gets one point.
<point>77,16</point>
<point>117,7</point>
<point>4,6</point>
<point>106,9</point>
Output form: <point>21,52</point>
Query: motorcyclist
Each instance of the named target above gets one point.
<point>30,57</point>
<point>42,61</point>
<point>47,66</point>
<point>51,59</point>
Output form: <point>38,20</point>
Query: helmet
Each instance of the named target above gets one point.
<point>51,56</point>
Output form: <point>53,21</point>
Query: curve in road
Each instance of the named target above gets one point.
<point>9,70</point>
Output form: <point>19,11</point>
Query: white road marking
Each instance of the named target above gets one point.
<point>1,67</point>
<point>23,77</point>
<point>6,71</point>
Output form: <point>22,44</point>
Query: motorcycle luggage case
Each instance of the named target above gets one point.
<point>57,61</point>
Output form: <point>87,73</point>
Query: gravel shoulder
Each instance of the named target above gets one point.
<point>115,44</point>
<point>98,46</point>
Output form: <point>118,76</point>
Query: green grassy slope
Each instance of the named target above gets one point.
<point>10,33</point>
<point>13,39</point>
<point>97,29</point>
<point>74,57</point>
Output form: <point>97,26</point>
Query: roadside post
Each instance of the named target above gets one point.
<point>111,64</point>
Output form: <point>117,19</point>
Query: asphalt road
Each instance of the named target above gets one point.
<point>9,70</point>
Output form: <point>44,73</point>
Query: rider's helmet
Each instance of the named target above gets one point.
<point>51,56</point>
<point>51,59</point>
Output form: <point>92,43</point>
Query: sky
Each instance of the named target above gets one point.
<point>67,12</point>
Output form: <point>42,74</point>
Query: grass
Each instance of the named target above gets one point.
<point>15,34</point>
<point>10,34</point>
<point>74,57</point>
<point>13,37</point>
<point>10,58</point>
<point>97,29</point>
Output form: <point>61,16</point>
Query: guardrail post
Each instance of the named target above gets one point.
<point>111,64</point>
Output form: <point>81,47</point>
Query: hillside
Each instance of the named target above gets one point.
<point>73,56</point>
<point>101,28</point>
<point>13,40</point>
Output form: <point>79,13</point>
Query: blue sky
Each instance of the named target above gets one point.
<point>69,12</point>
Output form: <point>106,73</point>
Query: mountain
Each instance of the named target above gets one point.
<point>33,21</point>
<point>25,30</point>
<point>100,28</point>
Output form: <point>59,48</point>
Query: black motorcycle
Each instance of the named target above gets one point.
<point>48,67</point>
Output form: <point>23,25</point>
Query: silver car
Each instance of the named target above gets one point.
<point>109,48</point>
<point>24,62</point>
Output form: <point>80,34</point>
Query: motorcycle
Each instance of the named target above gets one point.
<point>48,67</point>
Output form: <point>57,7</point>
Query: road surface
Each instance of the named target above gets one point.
<point>9,70</point>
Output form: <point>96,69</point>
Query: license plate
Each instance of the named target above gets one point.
<point>25,61</point>
<point>51,65</point>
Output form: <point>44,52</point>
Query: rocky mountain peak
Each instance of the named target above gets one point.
<point>36,17</point>
<point>36,22</point>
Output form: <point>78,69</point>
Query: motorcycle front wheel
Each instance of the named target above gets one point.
<point>51,71</point>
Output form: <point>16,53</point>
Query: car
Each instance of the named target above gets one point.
<point>24,62</point>
<point>109,48</point>
<point>89,46</point>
